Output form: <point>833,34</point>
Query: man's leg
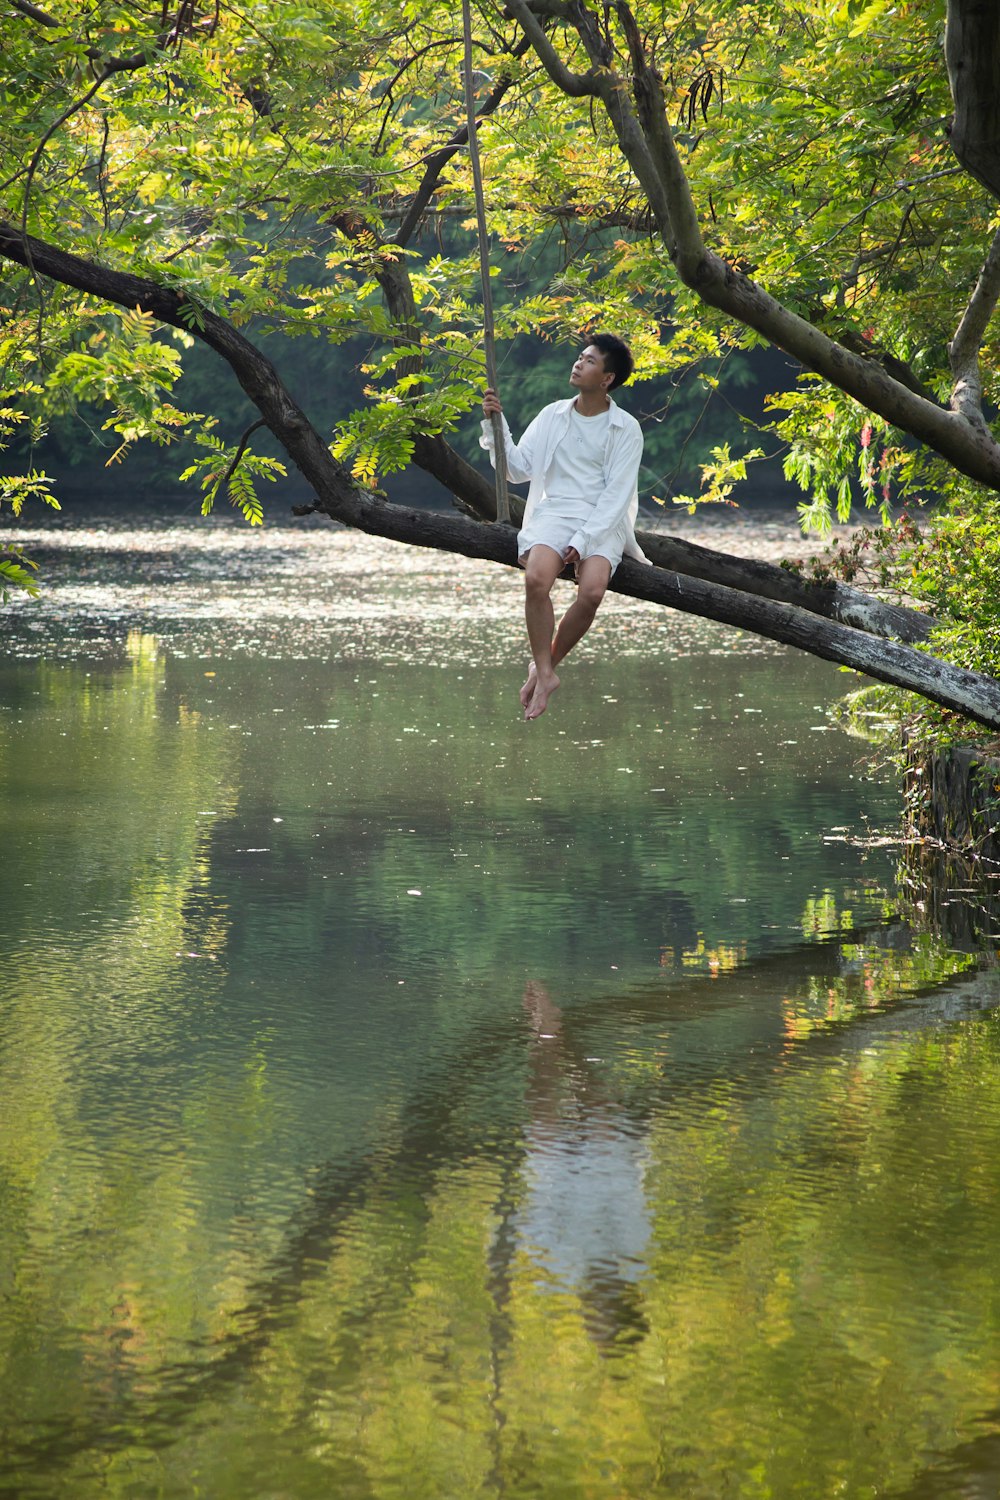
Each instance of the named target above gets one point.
<point>541,569</point>
<point>593,577</point>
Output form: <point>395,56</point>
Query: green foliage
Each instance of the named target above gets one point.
<point>261,161</point>
<point>234,468</point>
<point>836,454</point>
<point>878,558</point>
<point>719,477</point>
<point>17,489</point>
<point>947,562</point>
<point>377,440</point>
<point>15,577</point>
<point>125,366</point>
<point>955,571</point>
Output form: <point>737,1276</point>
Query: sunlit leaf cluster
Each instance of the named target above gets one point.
<point>264,161</point>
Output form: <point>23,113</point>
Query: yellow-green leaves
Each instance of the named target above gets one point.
<point>719,476</point>
<point>235,469</point>
<point>300,169</point>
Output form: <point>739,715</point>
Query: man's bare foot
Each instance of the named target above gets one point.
<point>529,686</point>
<point>544,688</point>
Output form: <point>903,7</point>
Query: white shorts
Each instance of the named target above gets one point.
<point>554,524</point>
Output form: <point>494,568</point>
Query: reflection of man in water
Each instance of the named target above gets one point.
<point>584,1216</point>
<point>582,457</point>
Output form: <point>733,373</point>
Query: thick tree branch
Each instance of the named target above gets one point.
<point>575,85</point>
<point>831,601</point>
<point>674,212</point>
<point>35,13</point>
<point>888,661</point>
<point>347,501</point>
<point>972,55</point>
<point>967,445</point>
<point>963,351</point>
<point>647,143</point>
<point>686,244</point>
<point>256,375</point>
<point>394,279</point>
<point>470,491</point>
<point>900,371</point>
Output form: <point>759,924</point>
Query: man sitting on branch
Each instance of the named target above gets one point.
<point>582,459</point>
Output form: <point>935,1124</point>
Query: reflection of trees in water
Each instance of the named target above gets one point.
<point>949,875</point>
<point>954,896</point>
<point>386,1264</point>
<point>968,1471</point>
<point>452,1208</point>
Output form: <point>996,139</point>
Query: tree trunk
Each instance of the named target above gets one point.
<point>834,601</point>
<point>972,54</point>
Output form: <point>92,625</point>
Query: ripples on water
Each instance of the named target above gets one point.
<point>403,1101</point>
<point>297,590</point>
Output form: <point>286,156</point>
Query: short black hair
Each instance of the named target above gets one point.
<point>617,357</point>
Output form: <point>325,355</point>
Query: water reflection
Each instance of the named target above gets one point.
<point>583,1217</point>
<point>396,1105</point>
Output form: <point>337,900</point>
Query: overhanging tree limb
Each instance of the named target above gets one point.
<point>972,55</point>
<point>647,142</point>
<point>963,351</point>
<point>341,497</point>
<point>35,13</point>
<point>830,600</point>
<point>476,497</point>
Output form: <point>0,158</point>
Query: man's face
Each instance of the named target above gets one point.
<point>588,373</point>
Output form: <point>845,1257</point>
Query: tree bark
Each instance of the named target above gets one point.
<point>963,351</point>
<point>972,55</point>
<point>833,600</point>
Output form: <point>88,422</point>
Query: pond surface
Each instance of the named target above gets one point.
<point>400,1100</point>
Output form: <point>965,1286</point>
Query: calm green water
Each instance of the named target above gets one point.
<point>402,1101</point>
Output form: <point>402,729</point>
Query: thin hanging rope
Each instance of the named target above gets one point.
<point>499,449</point>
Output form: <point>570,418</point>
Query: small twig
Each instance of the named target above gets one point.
<point>102,183</point>
<point>244,440</point>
